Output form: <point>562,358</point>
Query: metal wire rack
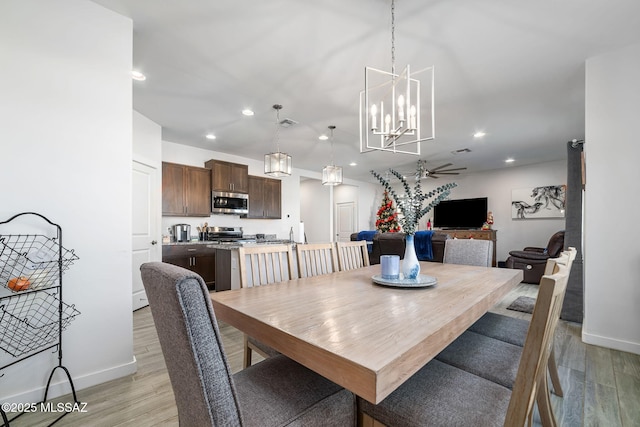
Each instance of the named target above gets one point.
<point>29,322</point>
<point>32,312</point>
<point>33,261</point>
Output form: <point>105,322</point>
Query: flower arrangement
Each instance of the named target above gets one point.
<point>411,202</point>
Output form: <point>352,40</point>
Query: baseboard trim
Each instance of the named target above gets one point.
<point>626,346</point>
<point>60,384</point>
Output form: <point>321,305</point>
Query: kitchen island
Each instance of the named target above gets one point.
<point>215,261</point>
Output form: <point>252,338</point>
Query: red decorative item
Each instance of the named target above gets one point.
<point>387,221</point>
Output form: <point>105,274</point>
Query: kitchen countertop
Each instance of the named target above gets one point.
<point>230,245</point>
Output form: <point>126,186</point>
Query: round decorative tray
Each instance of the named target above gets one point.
<point>422,281</point>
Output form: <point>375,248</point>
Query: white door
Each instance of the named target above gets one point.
<point>145,239</point>
<point>345,220</point>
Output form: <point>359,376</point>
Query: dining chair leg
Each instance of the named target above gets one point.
<point>553,372</point>
<point>544,402</point>
<point>247,353</point>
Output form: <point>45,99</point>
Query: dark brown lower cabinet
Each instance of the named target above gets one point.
<point>223,270</point>
<point>197,258</point>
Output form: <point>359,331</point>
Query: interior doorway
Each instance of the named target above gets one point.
<point>146,245</point>
<point>346,220</point>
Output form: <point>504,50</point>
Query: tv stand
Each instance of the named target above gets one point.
<point>475,234</point>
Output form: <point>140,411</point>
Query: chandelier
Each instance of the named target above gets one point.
<point>278,163</point>
<point>332,174</point>
<point>390,107</point>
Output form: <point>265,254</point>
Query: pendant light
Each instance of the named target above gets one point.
<point>278,163</point>
<point>332,174</point>
<point>390,107</point>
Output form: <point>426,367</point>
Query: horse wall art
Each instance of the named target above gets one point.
<point>538,202</point>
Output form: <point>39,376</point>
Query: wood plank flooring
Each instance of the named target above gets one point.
<point>601,386</point>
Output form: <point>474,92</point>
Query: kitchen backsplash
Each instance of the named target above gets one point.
<point>277,228</point>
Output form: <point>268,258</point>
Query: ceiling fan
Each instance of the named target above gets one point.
<point>440,170</point>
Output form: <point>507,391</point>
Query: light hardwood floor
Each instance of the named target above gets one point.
<point>602,386</point>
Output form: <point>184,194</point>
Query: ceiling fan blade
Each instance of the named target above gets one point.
<point>450,170</point>
<point>440,167</point>
<point>446,173</point>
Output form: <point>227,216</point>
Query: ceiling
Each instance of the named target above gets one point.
<point>512,69</point>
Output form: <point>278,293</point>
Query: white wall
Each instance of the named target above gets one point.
<point>612,254</point>
<point>147,141</point>
<point>65,127</point>
<point>315,209</point>
<point>513,234</point>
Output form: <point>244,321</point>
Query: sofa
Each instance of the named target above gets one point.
<point>394,244</point>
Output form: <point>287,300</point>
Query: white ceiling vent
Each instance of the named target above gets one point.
<point>287,123</point>
<point>460,151</point>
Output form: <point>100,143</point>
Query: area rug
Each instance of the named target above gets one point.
<point>523,304</point>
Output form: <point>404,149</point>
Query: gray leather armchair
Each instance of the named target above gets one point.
<point>533,260</point>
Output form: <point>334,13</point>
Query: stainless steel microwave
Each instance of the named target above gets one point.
<point>229,203</point>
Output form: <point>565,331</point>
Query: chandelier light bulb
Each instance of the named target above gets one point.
<point>401,108</point>
<point>374,111</point>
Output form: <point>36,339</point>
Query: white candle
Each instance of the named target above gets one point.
<point>374,111</point>
<point>401,108</point>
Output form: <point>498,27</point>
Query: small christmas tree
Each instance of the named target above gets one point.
<point>387,216</point>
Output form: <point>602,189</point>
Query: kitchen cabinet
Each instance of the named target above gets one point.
<point>223,270</point>
<point>265,198</point>
<point>186,190</point>
<point>226,176</point>
<point>197,257</point>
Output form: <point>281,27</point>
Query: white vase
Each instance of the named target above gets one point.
<point>410,263</point>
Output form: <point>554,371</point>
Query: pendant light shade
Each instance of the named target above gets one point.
<point>331,174</point>
<point>278,163</point>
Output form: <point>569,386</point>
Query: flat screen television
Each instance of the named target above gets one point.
<point>460,214</point>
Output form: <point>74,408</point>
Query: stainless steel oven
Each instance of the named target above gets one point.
<point>229,203</point>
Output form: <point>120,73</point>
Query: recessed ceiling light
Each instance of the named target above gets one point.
<point>323,137</point>
<point>210,136</point>
<point>479,134</point>
<point>510,160</point>
<point>137,75</point>
<point>353,164</point>
<point>247,112</point>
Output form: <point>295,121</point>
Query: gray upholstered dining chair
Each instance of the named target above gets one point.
<point>274,392</point>
<point>315,259</point>
<point>442,394</point>
<point>514,331</point>
<point>352,255</point>
<point>262,265</point>
<point>468,252</point>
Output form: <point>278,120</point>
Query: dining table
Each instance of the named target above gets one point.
<point>365,334</point>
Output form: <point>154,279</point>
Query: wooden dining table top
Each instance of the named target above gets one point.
<point>363,336</point>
